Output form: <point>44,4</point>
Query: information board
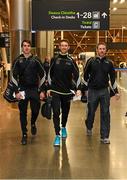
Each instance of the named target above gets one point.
<point>70,14</point>
<point>4,39</point>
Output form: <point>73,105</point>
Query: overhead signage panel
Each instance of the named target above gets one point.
<point>4,39</point>
<point>70,14</point>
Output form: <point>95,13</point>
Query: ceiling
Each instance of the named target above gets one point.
<point>118,18</point>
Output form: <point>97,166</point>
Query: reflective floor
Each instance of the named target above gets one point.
<point>79,157</point>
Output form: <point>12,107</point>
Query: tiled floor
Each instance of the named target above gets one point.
<point>79,157</point>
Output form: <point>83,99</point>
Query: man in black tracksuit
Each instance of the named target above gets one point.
<point>28,76</point>
<point>97,74</point>
<point>63,70</point>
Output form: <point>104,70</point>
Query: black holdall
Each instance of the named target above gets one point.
<point>84,98</point>
<point>9,93</point>
<point>46,108</point>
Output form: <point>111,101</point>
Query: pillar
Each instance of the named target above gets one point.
<point>19,25</point>
<point>45,44</point>
<point>97,37</point>
<point>50,43</point>
<point>41,44</point>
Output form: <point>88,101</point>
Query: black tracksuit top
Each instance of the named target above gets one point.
<point>98,72</point>
<point>28,73</point>
<point>63,74</point>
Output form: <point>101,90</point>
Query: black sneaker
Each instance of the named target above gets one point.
<point>33,129</point>
<point>24,139</point>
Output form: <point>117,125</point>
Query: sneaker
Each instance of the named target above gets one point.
<point>89,132</point>
<point>64,132</point>
<point>33,129</point>
<point>105,141</point>
<point>24,139</point>
<point>57,140</point>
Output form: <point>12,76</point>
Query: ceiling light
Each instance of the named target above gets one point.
<point>114,9</point>
<point>115,1</point>
<point>123,27</point>
<point>122,1</point>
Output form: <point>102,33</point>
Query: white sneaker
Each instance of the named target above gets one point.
<point>89,132</point>
<point>105,141</point>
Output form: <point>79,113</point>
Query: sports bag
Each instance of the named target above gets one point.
<point>46,108</point>
<point>9,93</point>
<point>112,92</point>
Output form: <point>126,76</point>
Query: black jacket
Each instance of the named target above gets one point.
<point>98,73</point>
<point>28,73</point>
<point>63,75</point>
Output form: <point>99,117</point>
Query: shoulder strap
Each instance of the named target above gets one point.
<point>89,61</point>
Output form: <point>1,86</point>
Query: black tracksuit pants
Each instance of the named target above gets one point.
<point>32,96</point>
<point>96,97</point>
<point>61,105</point>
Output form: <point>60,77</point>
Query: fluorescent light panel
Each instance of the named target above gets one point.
<point>122,1</point>
<point>114,9</point>
<point>115,1</point>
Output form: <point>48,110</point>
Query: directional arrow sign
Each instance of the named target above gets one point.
<point>104,14</point>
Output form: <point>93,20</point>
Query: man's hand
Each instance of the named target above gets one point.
<point>117,96</point>
<point>18,96</point>
<point>42,95</point>
<point>78,93</point>
<point>48,93</point>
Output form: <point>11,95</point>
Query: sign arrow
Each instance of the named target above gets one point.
<point>104,15</point>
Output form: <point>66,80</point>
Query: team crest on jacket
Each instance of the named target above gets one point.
<point>21,60</point>
<point>58,61</point>
<point>68,63</point>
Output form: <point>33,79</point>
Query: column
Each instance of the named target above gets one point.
<point>19,25</point>
<point>50,43</point>
<point>97,37</point>
<point>45,44</point>
<point>41,44</point>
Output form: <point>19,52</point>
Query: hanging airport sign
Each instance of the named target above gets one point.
<point>4,39</point>
<point>70,14</point>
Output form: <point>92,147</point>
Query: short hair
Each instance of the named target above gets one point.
<point>64,40</point>
<point>27,41</point>
<point>101,43</point>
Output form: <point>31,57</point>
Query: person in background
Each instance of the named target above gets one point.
<point>28,75</point>
<point>97,74</point>
<point>46,66</point>
<point>63,73</point>
<point>81,68</point>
